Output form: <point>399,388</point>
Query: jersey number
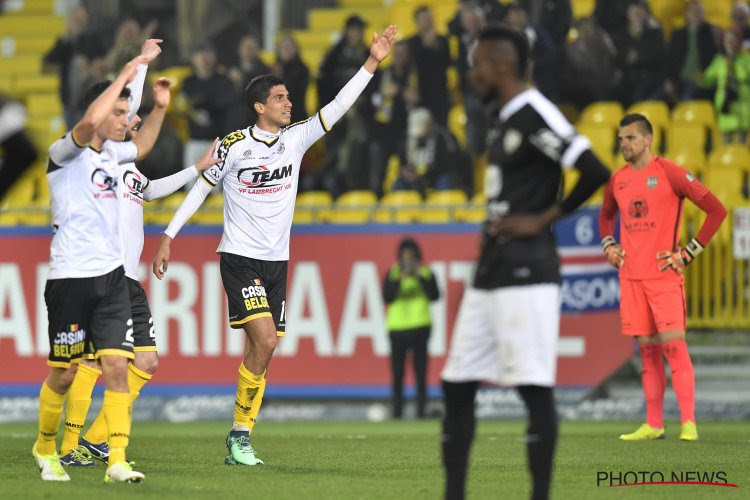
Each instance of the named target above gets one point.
<point>282,319</point>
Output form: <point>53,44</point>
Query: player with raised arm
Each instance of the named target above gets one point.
<point>259,170</point>
<point>86,292</point>
<point>133,188</point>
<point>508,322</point>
<point>649,193</point>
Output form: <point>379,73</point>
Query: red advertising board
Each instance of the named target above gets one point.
<point>336,333</point>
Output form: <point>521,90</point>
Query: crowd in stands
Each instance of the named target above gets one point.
<point>619,53</point>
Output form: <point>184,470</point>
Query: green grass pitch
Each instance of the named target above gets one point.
<point>388,460</point>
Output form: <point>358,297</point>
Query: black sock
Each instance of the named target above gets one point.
<point>541,436</point>
<point>458,432</point>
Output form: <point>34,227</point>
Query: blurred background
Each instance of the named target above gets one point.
<point>407,160</point>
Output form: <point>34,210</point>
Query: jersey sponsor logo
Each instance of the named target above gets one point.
<point>638,209</point>
<point>261,177</point>
<point>105,183</point>
<point>548,143</point>
<point>213,174</point>
<point>255,296</point>
<point>651,182</point>
<point>70,342</point>
<point>135,185</point>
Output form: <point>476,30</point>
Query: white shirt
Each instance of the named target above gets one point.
<point>260,173</point>
<point>83,188</point>
<point>133,188</point>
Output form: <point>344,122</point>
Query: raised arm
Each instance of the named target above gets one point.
<point>149,131</point>
<point>150,50</point>
<point>97,112</point>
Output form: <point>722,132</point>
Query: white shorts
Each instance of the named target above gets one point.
<point>507,335</point>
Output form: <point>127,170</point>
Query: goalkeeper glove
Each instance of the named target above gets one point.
<point>681,258</point>
<point>614,252</point>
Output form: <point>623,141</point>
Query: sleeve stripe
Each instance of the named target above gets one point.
<point>75,141</point>
<point>322,122</point>
<point>574,151</point>
<point>208,182</point>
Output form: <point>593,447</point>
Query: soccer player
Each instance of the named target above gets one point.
<point>508,321</point>
<point>86,292</point>
<point>648,193</point>
<point>260,170</point>
<point>133,188</point>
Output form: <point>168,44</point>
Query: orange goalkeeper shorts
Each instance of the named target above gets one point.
<point>651,306</point>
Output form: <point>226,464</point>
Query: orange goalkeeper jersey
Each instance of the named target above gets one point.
<point>650,202</point>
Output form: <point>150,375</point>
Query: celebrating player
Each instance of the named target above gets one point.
<point>649,192</point>
<point>508,322</point>
<point>260,170</point>
<point>133,188</point>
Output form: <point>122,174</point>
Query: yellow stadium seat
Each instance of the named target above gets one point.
<point>582,8</point>
<point>399,206</point>
<point>353,207</point>
<point>20,65</point>
<point>392,170</point>
<point>36,7</point>
<point>311,97</point>
<point>447,197</point>
<point>329,19</point>
<point>699,111</point>
<point>441,206</point>
<point>303,215</point>
<point>176,74</point>
<point>164,210</point>
<point>31,45</point>
<point>692,159</point>
<point>607,113</point>
<point>28,25</point>
<point>733,155</point>
<point>602,140</point>
<point>361,4</point>
<point>316,40</point>
<point>39,84</point>
<point>727,185</point>
<point>570,178</point>
<point>313,58</point>
<point>314,199</point>
<point>211,211</point>
<point>457,123</point>
<point>39,105</point>
<point>686,135</point>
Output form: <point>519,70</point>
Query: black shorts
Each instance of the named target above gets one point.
<point>255,289</point>
<point>143,323</point>
<point>88,314</point>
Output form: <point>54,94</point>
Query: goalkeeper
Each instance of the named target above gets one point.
<point>649,192</point>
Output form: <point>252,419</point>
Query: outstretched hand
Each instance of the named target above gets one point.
<point>150,49</point>
<point>161,92</point>
<point>381,44</point>
<point>208,159</point>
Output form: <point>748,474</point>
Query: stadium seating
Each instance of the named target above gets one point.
<point>400,207</point>
<point>606,113</point>
<point>309,204</point>
<point>353,207</point>
<point>688,157</point>
<point>211,211</point>
<point>474,212</point>
<point>681,135</point>
<point>727,185</point>
<point>166,208</point>
<point>602,140</point>
<point>440,206</point>
<point>582,8</point>
<point>735,156</point>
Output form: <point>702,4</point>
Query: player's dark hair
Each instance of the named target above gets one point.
<point>643,124</point>
<point>98,89</point>
<point>260,87</point>
<point>409,243</point>
<point>504,32</point>
<point>419,10</point>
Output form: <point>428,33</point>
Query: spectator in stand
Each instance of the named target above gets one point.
<point>396,93</point>
<point>472,22</point>
<point>431,57</point>
<point>641,56</point>
<point>295,73</point>
<point>248,67</point>
<point>343,60</point>
<point>18,151</point>
<point>492,12</point>
<point>430,157</point>
<point>741,21</point>
<point>612,15</point>
<point>588,66</point>
<point>691,50</point>
<point>78,41</point>
<point>209,96</point>
<point>128,42</point>
<point>542,50</point>
<point>554,16</point>
<point>729,74</point>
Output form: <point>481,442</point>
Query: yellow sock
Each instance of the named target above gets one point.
<point>50,411</point>
<point>79,400</point>
<point>255,406</point>
<point>248,385</point>
<point>97,433</point>
<point>137,378</point>
<point>116,409</point>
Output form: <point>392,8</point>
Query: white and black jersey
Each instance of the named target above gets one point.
<point>83,191</point>
<point>259,172</point>
<point>529,144</point>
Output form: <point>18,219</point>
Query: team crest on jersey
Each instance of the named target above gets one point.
<point>134,182</point>
<point>248,154</point>
<point>638,209</point>
<point>280,150</point>
<point>651,182</point>
<point>689,177</point>
<point>511,140</point>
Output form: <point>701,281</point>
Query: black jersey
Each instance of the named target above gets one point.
<point>529,144</point>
